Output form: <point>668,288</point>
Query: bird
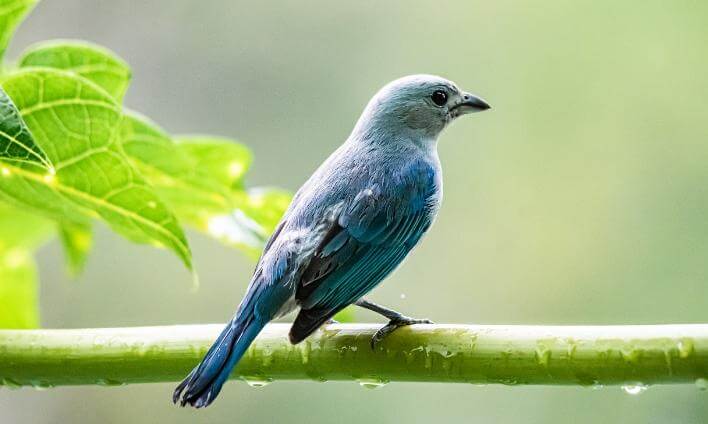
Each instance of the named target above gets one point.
<point>347,228</point>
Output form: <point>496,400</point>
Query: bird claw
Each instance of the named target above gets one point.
<point>392,326</point>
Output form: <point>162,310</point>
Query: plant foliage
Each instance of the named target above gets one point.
<point>71,154</point>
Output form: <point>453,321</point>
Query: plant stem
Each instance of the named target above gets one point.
<point>551,355</point>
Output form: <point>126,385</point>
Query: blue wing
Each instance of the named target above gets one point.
<point>370,238</point>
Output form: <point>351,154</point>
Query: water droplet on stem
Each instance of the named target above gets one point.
<point>634,389</point>
<point>257,381</point>
<point>372,382</point>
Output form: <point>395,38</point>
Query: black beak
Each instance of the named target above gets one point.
<point>470,104</point>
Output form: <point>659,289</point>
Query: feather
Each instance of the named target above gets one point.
<point>365,246</point>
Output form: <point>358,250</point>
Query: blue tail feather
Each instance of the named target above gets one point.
<point>203,384</point>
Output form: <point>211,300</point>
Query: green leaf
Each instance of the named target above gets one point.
<point>266,206</point>
<point>347,314</point>
<point>78,125</point>
<point>23,230</point>
<point>252,214</point>
<point>11,14</point>
<point>21,233</point>
<point>222,159</point>
<point>249,224</point>
<point>191,192</point>
<point>77,240</point>
<point>201,178</point>
<point>91,61</point>
<point>16,141</point>
<point>18,290</point>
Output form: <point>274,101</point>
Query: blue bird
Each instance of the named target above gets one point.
<point>348,226</point>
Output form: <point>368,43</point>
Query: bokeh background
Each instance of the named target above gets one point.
<point>581,198</point>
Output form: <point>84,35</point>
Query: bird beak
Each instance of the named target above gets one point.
<point>469,104</point>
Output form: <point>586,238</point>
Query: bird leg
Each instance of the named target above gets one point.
<point>396,320</point>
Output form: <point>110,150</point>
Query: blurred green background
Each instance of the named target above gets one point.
<point>581,198</point>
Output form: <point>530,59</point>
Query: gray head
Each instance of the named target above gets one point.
<point>416,106</point>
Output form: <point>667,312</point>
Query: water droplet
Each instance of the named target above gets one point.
<point>257,381</point>
<point>41,385</point>
<point>372,382</point>
<point>685,348</point>
<point>403,295</point>
<point>631,354</point>
<point>596,385</point>
<point>152,204</point>
<point>543,354</point>
<point>305,352</point>
<point>702,384</point>
<point>5,171</point>
<point>428,358</point>
<point>634,389</point>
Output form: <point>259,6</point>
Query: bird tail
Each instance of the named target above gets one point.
<point>203,384</point>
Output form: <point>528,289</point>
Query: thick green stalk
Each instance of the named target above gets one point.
<point>553,355</point>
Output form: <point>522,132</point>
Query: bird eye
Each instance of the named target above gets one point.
<point>439,97</point>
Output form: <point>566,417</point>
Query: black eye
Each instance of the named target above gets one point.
<point>439,97</point>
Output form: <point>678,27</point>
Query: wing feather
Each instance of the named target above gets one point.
<point>368,242</point>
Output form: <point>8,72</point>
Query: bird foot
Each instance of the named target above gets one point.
<point>392,326</point>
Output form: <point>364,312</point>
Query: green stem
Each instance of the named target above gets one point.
<point>553,355</point>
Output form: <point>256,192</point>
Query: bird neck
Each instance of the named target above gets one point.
<point>393,134</point>
<point>395,143</point>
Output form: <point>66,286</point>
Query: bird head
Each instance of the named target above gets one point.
<point>416,106</point>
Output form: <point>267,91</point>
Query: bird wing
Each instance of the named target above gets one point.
<point>284,257</point>
<point>368,240</point>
